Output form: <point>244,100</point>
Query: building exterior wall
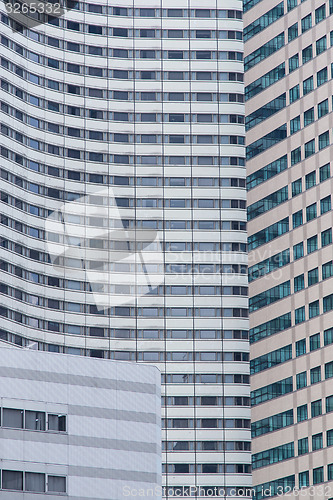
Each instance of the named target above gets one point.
<point>289,208</point>
<point>163,126</point>
<point>107,442</point>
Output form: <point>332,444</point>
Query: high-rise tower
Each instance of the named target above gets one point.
<point>144,97</point>
<point>288,45</point>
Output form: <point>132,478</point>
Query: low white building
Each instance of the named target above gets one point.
<point>82,428</point>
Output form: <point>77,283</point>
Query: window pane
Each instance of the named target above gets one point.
<point>34,482</point>
<point>12,480</point>
<point>57,422</point>
<point>35,420</point>
<point>12,418</point>
<point>56,483</point>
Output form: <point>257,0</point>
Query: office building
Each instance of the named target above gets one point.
<point>119,119</point>
<point>288,75</point>
<point>78,428</point>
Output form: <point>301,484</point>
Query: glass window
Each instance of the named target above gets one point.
<point>308,85</point>
<point>12,480</point>
<point>323,108</point>
<point>318,475</point>
<point>307,54</point>
<point>303,478</point>
<point>294,93</point>
<point>309,148</point>
<point>300,347</point>
<point>329,437</point>
<point>296,187</point>
<point>321,45</point>
<point>310,180</point>
<point>315,375</point>
<point>56,484</point>
<point>324,140</point>
<point>299,315</point>
<point>303,446</point>
<point>317,441</point>
<point>308,116</point>
<point>296,155</point>
<point>35,420</point>
<point>324,172</point>
<point>298,251</point>
<point>292,32</point>
<point>326,237</point>
<point>265,81</point>
<point>311,212</point>
<point>34,482</point>
<point>327,270</point>
<point>320,13</point>
<point>297,219</point>
<point>291,4</point>
<point>301,380</point>
<point>316,408</point>
<point>293,63</point>
<point>306,23</point>
<point>322,77</point>
<point>295,124</point>
<point>329,404</point>
<point>302,413</point>
<point>312,244</point>
<point>56,422</point>
<point>312,280</point>
<point>325,205</point>
<point>12,418</point>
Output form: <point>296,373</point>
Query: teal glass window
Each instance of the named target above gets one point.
<point>294,93</point>
<point>313,278</point>
<point>320,13</point>
<point>273,455</point>
<point>323,108</point>
<point>306,23</point>
<point>297,219</point>
<point>303,479</point>
<point>269,296</point>
<point>296,155</point>
<point>308,116</point>
<point>264,51</point>
<point>272,391</point>
<point>276,487</point>
<point>308,85</point>
<point>310,180</point>
<point>311,212</point>
<point>267,203</point>
<point>296,187</point>
<point>262,22</point>
<point>301,380</point>
<point>326,237</point>
<point>315,341</point>
<point>329,437</point>
<point>268,234</point>
<point>316,408</point>
<point>293,63</point>
<point>309,148</point>
<point>248,4</point>
<point>315,375</point>
<point>270,359</point>
<point>307,54</point>
<point>331,38</point>
<point>271,327</point>
<point>329,404</point>
<point>325,205</point>
<point>273,423</point>
<point>268,265</point>
<point>330,472</point>
<point>298,250</point>
<point>328,336</point>
<point>312,244</point>
<point>300,347</point>
<point>322,77</point>
<point>292,32</point>
<point>299,315</point>
<point>331,6</point>
<point>329,370</point>
<point>327,270</point>
<point>267,172</point>
<point>324,172</point>
<point>318,475</point>
<point>291,4</point>
<point>302,413</point>
<point>295,125</point>
<point>303,446</point>
<point>261,114</point>
<point>324,140</point>
<point>321,45</point>
<point>317,441</point>
<point>314,309</point>
<point>267,141</point>
<point>299,283</point>
<point>328,303</point>
<point>265,81</point>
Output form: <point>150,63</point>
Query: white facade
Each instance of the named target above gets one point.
<point>147,98</point>
<point>78,428</point>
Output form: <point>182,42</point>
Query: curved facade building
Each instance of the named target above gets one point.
<point>145,99</point>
